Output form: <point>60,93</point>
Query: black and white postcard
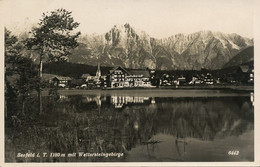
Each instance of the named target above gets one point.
<point>114,82</point>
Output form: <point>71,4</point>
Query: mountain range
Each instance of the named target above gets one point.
<point>125,46</point>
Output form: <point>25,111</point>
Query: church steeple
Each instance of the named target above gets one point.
<point>98,73</point>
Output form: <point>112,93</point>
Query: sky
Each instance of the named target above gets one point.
<point>159,18</point>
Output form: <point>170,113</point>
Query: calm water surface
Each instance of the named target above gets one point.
<point>144,127</point>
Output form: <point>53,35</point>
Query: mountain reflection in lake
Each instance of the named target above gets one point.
<point>143,128</point>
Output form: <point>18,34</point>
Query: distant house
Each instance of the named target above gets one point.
<point>92,81</point>
<point>117,78</point>
<point>48,77</point>
<point>181,81</point>
<point>208,79</point>
<point>87,80</point>
<point>165,80</point>
<point>251,76</point>
<point>152,76</point>
<point>196,80</point>
<point>85,77</point>
<point>244,68</point>
<point>61,81</point>
<point>103,80</point>
<point>120,77</point>
<point>139,78</point>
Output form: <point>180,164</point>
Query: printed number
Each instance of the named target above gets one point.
<point>233,152</point>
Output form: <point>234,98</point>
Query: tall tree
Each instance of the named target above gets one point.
<point>10,51</point>
<point>20,73</point>
<point>53,39</point>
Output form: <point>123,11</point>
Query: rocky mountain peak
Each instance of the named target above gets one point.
<point>128,47</point>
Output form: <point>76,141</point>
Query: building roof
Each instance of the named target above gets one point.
<point>182,79</point>
<point>195,76</point>
<point>144,73</point>
<point>244,68</point>
<point>63,78</point>
<point>46,77</point>
<point>85,75</point>
<point>116,68</point>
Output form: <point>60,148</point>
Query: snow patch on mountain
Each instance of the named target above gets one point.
<point>109,56</point>
<point>234,45</point>
<point>223,42</point>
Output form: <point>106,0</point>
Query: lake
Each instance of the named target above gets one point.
<point>136,126</point>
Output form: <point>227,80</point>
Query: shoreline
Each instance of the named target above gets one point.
<point>204,87</point>
<point>183,91</point>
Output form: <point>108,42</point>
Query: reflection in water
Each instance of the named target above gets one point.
<point>119,101</point>
<point>153,100</point>
<point>252,97</point>
<point>172,129</point>
<point>63,97</point>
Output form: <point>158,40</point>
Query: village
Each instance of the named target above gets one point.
<point>128,82</point>
<point>120,77</point>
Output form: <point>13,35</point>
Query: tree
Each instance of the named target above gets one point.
<point>20,73</point>
<point>10,51</point>
<point>53,39</point>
